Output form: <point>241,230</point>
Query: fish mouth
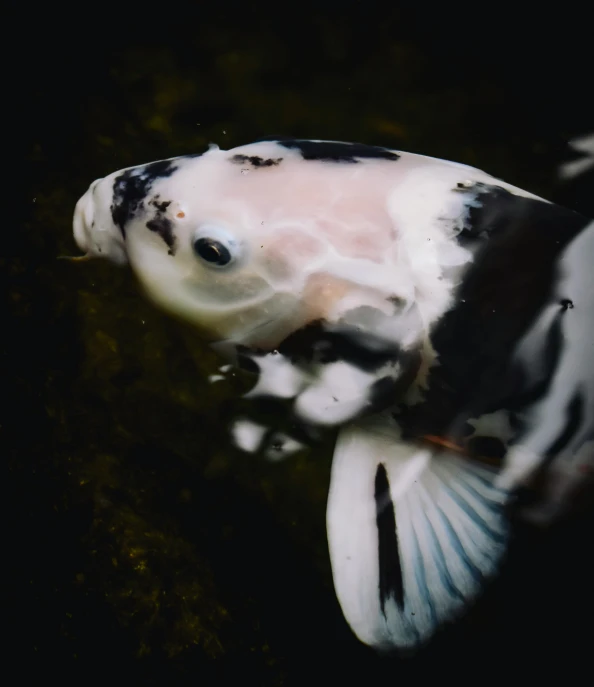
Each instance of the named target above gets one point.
<point>93,230</point>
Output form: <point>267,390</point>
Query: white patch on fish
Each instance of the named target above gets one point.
<point>338,394</point>
<point>248,435</point>
<point>493,425</point>
<point>277,377</point>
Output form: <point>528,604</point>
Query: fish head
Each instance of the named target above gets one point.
<point>250,245</point>
<point>195,247</point>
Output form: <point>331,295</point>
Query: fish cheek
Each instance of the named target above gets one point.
<point>288,254</point>
<point>225,289</point>
<point>322,293</point>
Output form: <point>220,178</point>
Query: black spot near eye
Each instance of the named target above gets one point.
<point>212,252</point>
<point>131,187</point>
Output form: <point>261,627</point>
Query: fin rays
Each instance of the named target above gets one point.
<point>440,531</point>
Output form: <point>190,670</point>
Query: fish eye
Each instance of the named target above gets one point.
<point>212,251</point>
<point>215,246</point>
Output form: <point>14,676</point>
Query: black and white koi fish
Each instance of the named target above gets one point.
<point>392,296</point>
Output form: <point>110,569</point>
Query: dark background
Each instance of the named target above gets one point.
<point>137,545</point>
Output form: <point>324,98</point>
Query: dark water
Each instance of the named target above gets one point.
<point>137,544</point>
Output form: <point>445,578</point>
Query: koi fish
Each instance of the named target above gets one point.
<point>427,311</point>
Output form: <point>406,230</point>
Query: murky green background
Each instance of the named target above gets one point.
<point>138,545</point>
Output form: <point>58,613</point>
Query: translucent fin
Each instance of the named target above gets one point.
<point>575,168</point>
<point>414,533</point>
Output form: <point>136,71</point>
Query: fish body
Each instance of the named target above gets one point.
<point>392,296</point>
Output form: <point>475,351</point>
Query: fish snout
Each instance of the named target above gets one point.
<point>93,228</point>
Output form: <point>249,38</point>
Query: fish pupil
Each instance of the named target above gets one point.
<point>212,251</point>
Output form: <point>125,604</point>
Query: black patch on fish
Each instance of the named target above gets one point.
<point>268,405</point>
<point>487,447</point>
<point>391,584</point>
<point>162,225</point>
<point>512,278</point>
<point>160,205</point>
<point>131,188</point>
<point>489,217</point>
<point>382,393</point>
<point>305,432</point>
<point>575,417</point>
<point>256,161</point>
<point>389,389</point>
<point>566,304</point>
<point>335,151</point>
<point>317,343</point>
<point>245,360</point>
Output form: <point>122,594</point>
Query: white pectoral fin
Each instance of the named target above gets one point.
<point>413,534</point>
